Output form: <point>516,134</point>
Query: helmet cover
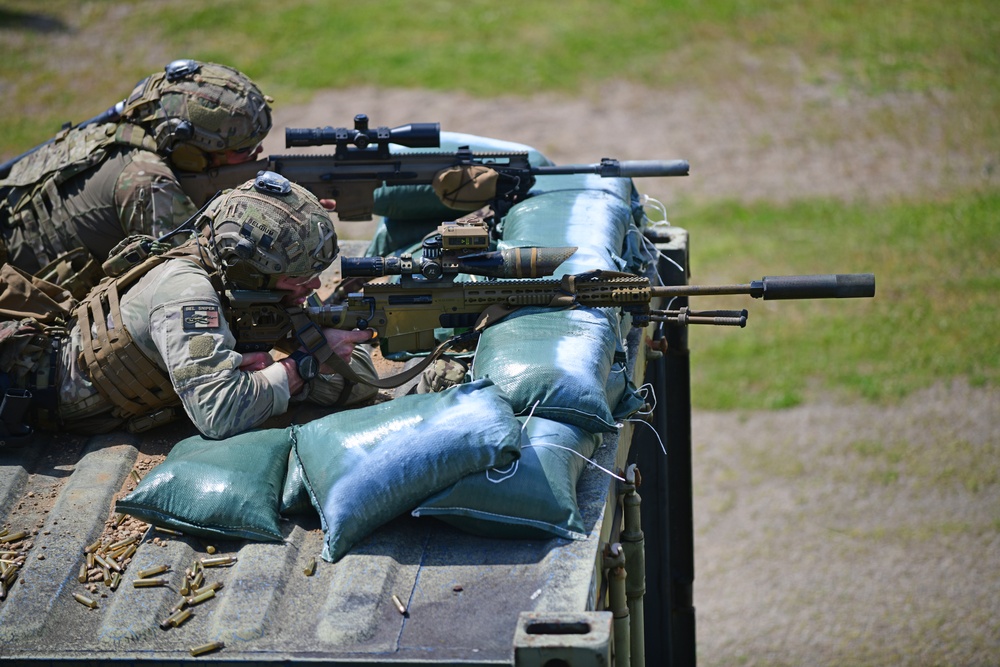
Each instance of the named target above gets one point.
<point>204,106</point>
<point>267,228</point>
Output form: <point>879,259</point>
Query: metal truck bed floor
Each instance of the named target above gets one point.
<point>462,593</point>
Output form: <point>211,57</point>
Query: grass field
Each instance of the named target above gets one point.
<point>935,258</point>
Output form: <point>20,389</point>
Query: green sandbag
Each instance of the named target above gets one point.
<point>555,364</point>
<point>227,488</point>
<point>533,498</point>
<point>364,467</point>
<point>294,495</point>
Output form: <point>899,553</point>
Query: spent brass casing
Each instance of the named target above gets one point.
<point>116,579</point>
<point>120,544</point>
<point>82,576</point>
<point>217,561</point>
<point>90,548</point>
<point>198,579</point>
<point>152,571</point>
<point>201,597</point>
<point>214,586</point>
<point>148,583</point>
<point>168,531</point>
<point>128,553</point>
<point>135,476</point>
<point>400,607</point>
<point>179,617</point>
<point>310,568</point>
<point>206,648</point>
<point>84,600</point>
<point>14,537</point>
<point>107,562</point>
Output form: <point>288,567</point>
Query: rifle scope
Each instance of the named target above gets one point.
<point>413,135</point>
<point>508,263</point>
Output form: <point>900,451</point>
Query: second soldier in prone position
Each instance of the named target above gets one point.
<point>156,338</point>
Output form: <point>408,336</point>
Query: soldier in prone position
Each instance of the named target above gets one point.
<point>156,338</point>
<point>65,205</point>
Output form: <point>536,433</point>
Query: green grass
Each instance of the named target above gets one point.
<point>933,316</point>
<point>68,61</point>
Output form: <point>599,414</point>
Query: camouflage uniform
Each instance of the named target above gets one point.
<point>156,335</point>
<point>96,184</point>
<point>131,191</point>
<point>198,354</point>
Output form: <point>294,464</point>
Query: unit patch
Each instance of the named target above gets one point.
<point>200,317</point>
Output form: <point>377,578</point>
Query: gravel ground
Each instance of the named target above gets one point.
<point>827,534</point>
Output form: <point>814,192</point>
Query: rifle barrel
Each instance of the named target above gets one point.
<point>611,168</point>
<point>825,286</point>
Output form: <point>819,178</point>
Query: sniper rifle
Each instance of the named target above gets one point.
<point>362,163</point>
<point>405,315</point>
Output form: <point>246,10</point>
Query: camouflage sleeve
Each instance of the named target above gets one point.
<point>196,345</point>
<point>149,197</point>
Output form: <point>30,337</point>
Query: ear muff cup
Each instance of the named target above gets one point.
<point>189,158</point>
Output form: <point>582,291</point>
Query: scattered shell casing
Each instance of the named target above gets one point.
<point>90,548</point>
<point>107,562</point>
<point>168,531</point>
<point>125,555</point>
<point>84,600</point>
<point>217,561</point>
<point>107,576</point>
<point>206,648</point>
<point>310,568</point>
<point>82,576</point>
<point>400,607</point>
<point>198,599</point>
<point>116,579</point>
<point>152,571</point>
<point>210,549</point>
<point>214,586</point>
<point>177,607</point>
<point>148,583</point>
<point>123,543</point>
<point>10,575</point>
<point>90,559</point>
<point>177,618</point>
<point>120,518</point>
<point>135,476</point>
<point>199,577</point>
<point>14,537</point>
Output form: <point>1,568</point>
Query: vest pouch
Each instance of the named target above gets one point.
<point>76,271</point>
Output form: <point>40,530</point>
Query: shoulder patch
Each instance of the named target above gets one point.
<point>200,317</point>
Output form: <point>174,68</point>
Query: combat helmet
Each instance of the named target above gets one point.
<point>193,109</point>
<point>267,228</point>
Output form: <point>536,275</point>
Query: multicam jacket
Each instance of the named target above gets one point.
<point>175,316</point>
<point>90,188</point>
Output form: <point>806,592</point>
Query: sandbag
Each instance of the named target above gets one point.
<point>532,498</point>
<point>227,488</point>
<point>364,467</point>
<point>556,364</point>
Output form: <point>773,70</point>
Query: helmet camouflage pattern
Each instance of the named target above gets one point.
<point>268,228</point>
<point>194,108</point>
